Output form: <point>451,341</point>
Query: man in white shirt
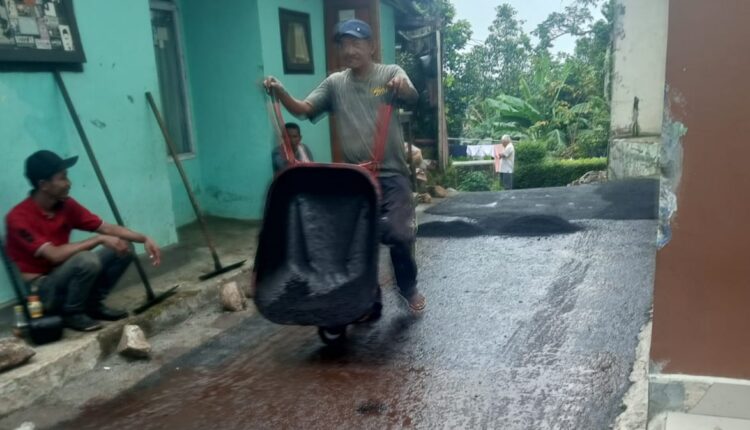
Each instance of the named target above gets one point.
<point>507,162</point>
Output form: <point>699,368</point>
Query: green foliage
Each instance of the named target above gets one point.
<point>504,114</point>
<point>485,70</point>
<point>467,178</point>
<point>555,173</point>
<point>475,180</point>
<point>424,121</point>
<point>455,35</point>
<point>448,178</point>
<point>508,86</point>
<point>572,21</point>
<point>530,152</point>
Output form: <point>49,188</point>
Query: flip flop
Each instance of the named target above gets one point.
<point>418,308</point>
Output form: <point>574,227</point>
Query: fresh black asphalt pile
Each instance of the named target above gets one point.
<point>543,211</point>
<point>528,225</point>
<point>539,225</point>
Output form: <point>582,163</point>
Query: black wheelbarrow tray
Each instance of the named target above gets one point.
<point>317,256</point>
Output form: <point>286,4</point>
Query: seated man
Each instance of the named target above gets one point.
<point>301,152</point>
<point>69,278</point>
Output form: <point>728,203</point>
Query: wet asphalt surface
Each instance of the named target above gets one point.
<point>522,331</point>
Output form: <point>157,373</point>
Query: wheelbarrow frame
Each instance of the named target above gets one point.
<point>321,178</point>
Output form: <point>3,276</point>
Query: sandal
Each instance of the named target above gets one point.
<point>418,307</point>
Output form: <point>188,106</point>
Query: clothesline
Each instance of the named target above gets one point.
<point>479,151</point>
<point>469,141</point>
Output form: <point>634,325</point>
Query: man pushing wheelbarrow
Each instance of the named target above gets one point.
<point>356,96</point>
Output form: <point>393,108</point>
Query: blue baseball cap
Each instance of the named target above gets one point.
<point>352,27</point>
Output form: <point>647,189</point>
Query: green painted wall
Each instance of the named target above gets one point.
<point>234,136</point>
<point>316,136</point>
<point>230,121</point>
<point>183,210</point>
<point>110,101</point>
<point>387,34</point>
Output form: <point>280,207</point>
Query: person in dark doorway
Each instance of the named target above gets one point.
<point>70,278</point>
<point>301,151</point>
<point>507,162</point>
<point>355,95</point>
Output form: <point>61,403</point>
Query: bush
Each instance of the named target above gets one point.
<point>530,152</point>
<point>555,173</point>
<point>475,181</point>
<point>592,143</point>
<point>447,179</point>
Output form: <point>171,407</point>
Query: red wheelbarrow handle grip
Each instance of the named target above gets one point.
<point>382,123</point>
<point>285,142</point>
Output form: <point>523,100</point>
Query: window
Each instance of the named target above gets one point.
<point>171,70</point>
<point>296,44</point>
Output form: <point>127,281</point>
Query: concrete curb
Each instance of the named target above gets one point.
<point>635,401</point>
<point>56,364</point>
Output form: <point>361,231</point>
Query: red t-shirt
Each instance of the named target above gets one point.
<point>28,228</point>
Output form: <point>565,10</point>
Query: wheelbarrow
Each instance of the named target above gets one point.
<point>317,256</point>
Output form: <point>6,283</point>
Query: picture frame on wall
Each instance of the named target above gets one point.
<point>296,42</point>
<point>40,31</point>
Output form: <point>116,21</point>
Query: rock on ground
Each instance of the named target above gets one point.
<point>248,286</point>
<point>438,192</point>
<point>232,299</point>
<point>416,155</point>
<point>424,198</point>
<point>14,352</point>
<point>133,343</point>
<point>591,177</point>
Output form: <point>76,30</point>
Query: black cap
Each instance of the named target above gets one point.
<point>354,28</point>
<point>44,164</point>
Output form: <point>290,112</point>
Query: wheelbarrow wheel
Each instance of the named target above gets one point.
<point>332,336</point>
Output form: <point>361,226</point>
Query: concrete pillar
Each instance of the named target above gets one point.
<point>638,70</point>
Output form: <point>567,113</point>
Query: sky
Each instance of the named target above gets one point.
<point>480,14</point>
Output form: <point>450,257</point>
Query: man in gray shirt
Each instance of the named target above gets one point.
<point>354,95</point>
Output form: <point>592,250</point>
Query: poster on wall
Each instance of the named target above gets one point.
<point>39,31</point>
<point>296,42</point>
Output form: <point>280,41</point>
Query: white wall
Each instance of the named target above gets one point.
<point>639,65</point>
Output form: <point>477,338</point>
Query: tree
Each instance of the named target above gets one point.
<point>574,21</point>
<point>506,52</point>
<point>509,88</point>
<point>455,36</point>
<point>493,67</point>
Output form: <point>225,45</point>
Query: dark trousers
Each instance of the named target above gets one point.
<point>82,282</point>
<point>507,180</point>
<point>397,226</point>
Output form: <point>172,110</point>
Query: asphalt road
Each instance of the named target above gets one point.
<point>524,330</point>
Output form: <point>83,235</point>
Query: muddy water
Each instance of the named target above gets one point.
<point>265,376</point>
<point>520,333</point>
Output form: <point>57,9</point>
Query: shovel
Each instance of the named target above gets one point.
<point>151,298</point>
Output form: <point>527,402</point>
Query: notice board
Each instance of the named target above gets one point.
<point>39,31</point>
